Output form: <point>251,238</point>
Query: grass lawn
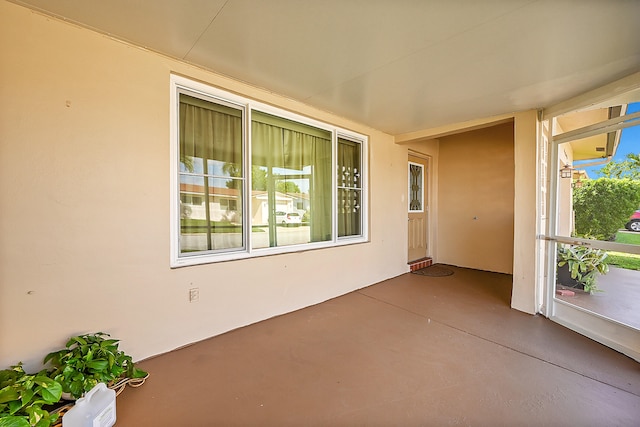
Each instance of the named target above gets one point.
<point>628,237</point>
<point>628,261</point>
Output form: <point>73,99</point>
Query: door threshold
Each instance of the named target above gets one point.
<point>420,263</point>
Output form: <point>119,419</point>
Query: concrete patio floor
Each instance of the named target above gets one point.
<point>409,351</point>
<point>619,299</point>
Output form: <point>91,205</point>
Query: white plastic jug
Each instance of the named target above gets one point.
<point>96,409</point>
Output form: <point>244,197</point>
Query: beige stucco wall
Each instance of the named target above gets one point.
<point>84,200</point>
<point>525,294</point>
<point>476,199</point>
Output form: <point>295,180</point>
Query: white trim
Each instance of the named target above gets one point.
<point>179,83</point>
<point>615,335</point>
<point>174,195</point>
<point>364,193</point>
<point>598,97</point>
<point>606,126</point>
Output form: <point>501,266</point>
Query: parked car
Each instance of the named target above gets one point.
<point>288,218</point>
<point>634,222</point>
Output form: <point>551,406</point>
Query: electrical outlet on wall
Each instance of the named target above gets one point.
<point>194,294</point>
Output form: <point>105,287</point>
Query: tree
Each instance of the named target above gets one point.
<point>602,206</point>
<point>187,161</point>
<point>628,168</point>
<point>258,176</point>
<point>287,187</point>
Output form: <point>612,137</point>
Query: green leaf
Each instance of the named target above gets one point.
<point>109,343</point>
<point>43,381</point>
<point>26,397</point>
<point>76,388</point>
<point>138,373</point>
<point>14,406</point>
<point>51,390</point>
<point>76,340</point>
<point>8,377</point>
<point>98,365</point>
<point>54,357</point>
<point>14,421</point>
<point>8,394</point>
<point>36,414</point>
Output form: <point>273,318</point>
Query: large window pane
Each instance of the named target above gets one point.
<point>211,176</point>
<point>291,182</point>
<point>598,200</point>
<point>598,206</point>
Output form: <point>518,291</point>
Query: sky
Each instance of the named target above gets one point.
<point>629,143</point>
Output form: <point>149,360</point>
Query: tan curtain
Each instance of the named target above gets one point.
<point>280,144</point>
<point>209,132</point>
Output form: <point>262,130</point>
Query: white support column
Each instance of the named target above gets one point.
<point>523,295</point>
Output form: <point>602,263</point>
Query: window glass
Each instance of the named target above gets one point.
<point>291,182</point>
<point>416,187</point>
<point>210,148</point>
<point>349,188</point>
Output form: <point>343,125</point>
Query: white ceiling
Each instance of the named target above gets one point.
<point>396,65</point>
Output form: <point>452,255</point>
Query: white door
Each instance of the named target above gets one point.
<point>418,209</point>
<point>586,222</point>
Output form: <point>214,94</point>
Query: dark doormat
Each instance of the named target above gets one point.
<point>435,270</point>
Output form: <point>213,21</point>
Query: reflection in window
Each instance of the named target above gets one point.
<point>291,167</point>
<point>210,176</point>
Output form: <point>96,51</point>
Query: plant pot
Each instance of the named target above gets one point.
<point>68,396</point>
<point>564,278</point>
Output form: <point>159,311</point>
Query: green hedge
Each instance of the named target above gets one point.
<point>603,206</point>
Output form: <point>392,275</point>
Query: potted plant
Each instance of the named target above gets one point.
<point>22,397</point>
<point>578,267</point>
<point>90,359</point>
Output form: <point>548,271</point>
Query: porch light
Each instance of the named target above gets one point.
<point>577,183</point>
<point>566,171</point>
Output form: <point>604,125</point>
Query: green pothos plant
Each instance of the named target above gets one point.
<point>584,264</point>
<point>88,360</point>
<point>23,397</point>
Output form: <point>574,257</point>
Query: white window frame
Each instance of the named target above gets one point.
<point>364,199</point>
<point>178,83</point>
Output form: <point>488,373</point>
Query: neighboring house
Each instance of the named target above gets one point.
<point>300,202</point>
<point>91,133</point>
<point>225,202</point>
<point>259,203</point>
